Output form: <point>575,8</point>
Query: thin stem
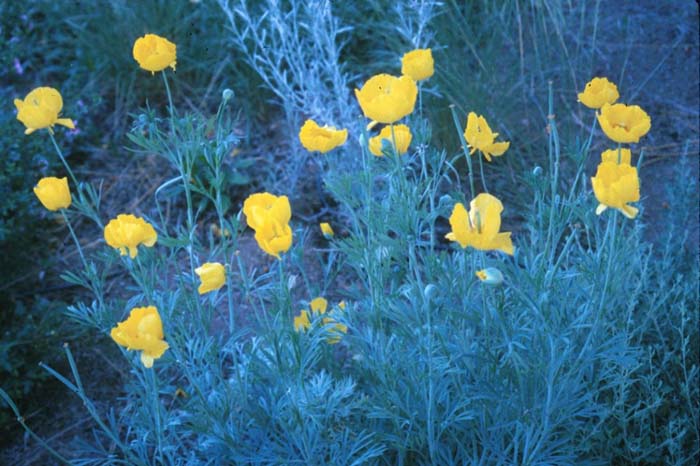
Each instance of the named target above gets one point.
<point>75,238</point>
<point>464,149</point>
<point>171,108</point>
<point>483,178</point>
<point>65,163</point>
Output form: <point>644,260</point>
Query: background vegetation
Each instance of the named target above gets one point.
<point>562,369</point>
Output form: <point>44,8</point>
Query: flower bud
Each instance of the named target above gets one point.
<point>227,95</point>
<point>490,276</point>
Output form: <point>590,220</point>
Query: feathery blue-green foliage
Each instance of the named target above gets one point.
<point>587,353</point>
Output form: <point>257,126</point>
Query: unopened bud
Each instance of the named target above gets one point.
<point>490,276</point>
<point>227,95</point>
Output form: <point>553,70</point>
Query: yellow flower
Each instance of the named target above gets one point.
<point>269,216</point>
<point>154,53</point>
<point>624,123</point>
<point>614,186</point>
<point>598,92</point>
<point>479,228</point>
<point>127,232</point>
<point>418,64</point>
<point>142,331</point>
<point>274,237</point>
<point>403,136</point>
<point>321,139</point>
<point>490,276</point>
<point>611,155</point>
<point>318,307</point>
<point>480,137</point>
<point>327,230</point>
<point>53,193</point>
<point>212,275</point>
<point>386,98</point>
<point>40,109</point>
<point>258,207</point>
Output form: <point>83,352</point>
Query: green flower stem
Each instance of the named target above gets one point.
<point>582,160</point>
<point>75,238</point>
<point>481,171</point>
<point>464,149</point>
<point>553,153</point>
<point>171,108</point>
<point>185,173</point>
<point>85,208</point>
<point>285,298</point>
<point>65,164</point>
<point>153,385</point>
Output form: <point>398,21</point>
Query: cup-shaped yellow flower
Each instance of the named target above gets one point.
<point>142,331</point>
<point>624,123</point>
<point>402,134</point>
<point>614,186</point>
<point>321,138</point>
<point>212,275</point>
<point>274,237</point>
<point>327,230</point>
<point>418,64</point>
<point>615,155</point>
<point>53,193</point>
<point>260,207</point>
<point>318,306</point>
<point>154,53</point>
<point>598,92</point>
<point>40,109</point>
<point>387,99</point>
<point>127,232</point>
<point>479,228</point>
<point>479,136</point>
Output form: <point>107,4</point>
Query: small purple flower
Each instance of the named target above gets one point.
<point>19,69</point>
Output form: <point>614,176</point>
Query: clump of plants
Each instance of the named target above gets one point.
<point>414,324</point>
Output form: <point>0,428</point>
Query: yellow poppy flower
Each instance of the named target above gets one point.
<point>258,207</point>
<point>479,136</point>
<point>302,322</point>
<point>154,53</point>
<point>403,136</point>
<point>40,109</point>
<point>598,92</point>
<point>490,276</point>
<point>318,307</point>
<point>418,64</point>
<point>274,237</point>
<point>128,232</point>
<point>212,275</point>
<point>321,139</point>
<point>611,155</point>
<point>327,230</point>
<point>53,193</point>
<point>479,228</point>
<point>142,331</point>
<point>624,123</point>
<point>386,98</point>
<point>614,186</point>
